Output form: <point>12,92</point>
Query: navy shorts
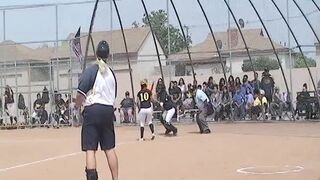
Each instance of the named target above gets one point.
<point>98,128</point>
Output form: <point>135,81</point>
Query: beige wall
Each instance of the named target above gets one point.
<point>147,59</point>
<point>238,61</point>
<point>299,76</point>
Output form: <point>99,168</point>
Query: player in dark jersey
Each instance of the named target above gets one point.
<point>145,109</point>
<point>169,111</point>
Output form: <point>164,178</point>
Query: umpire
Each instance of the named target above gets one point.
<point>97,91</point>
<point>202,102</point>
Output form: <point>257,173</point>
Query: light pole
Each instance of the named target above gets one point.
<point>169,50</point>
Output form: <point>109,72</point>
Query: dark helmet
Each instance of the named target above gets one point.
<point>103,49</point>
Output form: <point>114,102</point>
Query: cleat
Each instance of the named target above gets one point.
<point>175,132</point>
<point>153,137</point>
<point>167,132</point>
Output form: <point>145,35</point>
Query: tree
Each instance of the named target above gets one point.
<point>159,24</point>
<point>135,24</point>
<point>299,62</point>
<point>260,64</point>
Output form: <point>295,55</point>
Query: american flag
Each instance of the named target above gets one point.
<point>76,46</point>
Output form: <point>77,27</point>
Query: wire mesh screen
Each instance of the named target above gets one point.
<point>39,55</point>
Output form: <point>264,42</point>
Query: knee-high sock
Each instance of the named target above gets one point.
<point>11,120</point>
<point>151,128</point>
<point>92,174</point>
<point>141,132</point>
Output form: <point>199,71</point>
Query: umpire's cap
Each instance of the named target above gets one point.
<point>103,49</point>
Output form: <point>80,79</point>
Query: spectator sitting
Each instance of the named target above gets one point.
<point>277,105</point>
<point>301,104</point>
<point>249,100</point>
<point>231,83</point>
<point>127,106</point>
<point>216,102</point>
<point>245,85</point>
<point>1,109</point>
<point>189,103</point>
<point>225,103</point>
<point>238,104</point>
<point>39,115</point>
<point>222,83</point>
<point>237,83</point>
<point>210,86</point>
<point>260,104</point>
<point>60,109</point>
<point>205,88</point>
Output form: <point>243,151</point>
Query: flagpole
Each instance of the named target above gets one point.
<point>56,48</point>
<point>290,53</point>
<point>229,40</point>
<point>111,31</point>
<point>168,34</point>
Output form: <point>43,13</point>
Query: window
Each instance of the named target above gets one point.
<point>40,72</point>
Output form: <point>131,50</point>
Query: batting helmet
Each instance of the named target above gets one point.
<point>103,49</point>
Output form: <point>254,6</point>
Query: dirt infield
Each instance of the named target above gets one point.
<point>276,151</point>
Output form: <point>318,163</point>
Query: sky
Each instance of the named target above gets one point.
<point>39,24</point>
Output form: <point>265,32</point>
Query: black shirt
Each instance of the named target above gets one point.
<point>9,97</point>
<point>168,104</point>
<point>38,104</point>
<point>267,84</point>
<point>175,92</point>
<point>60,103</point>
<point>127,103</point>
<point>145,98</point>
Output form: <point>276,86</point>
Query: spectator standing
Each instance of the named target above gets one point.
<point>183,88</point>
<point>176,97</point>
<point>160,90</point>
<point>9,104</point>
<point>245,85</point>
<point>267,84</point>
<point>255,83</point>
